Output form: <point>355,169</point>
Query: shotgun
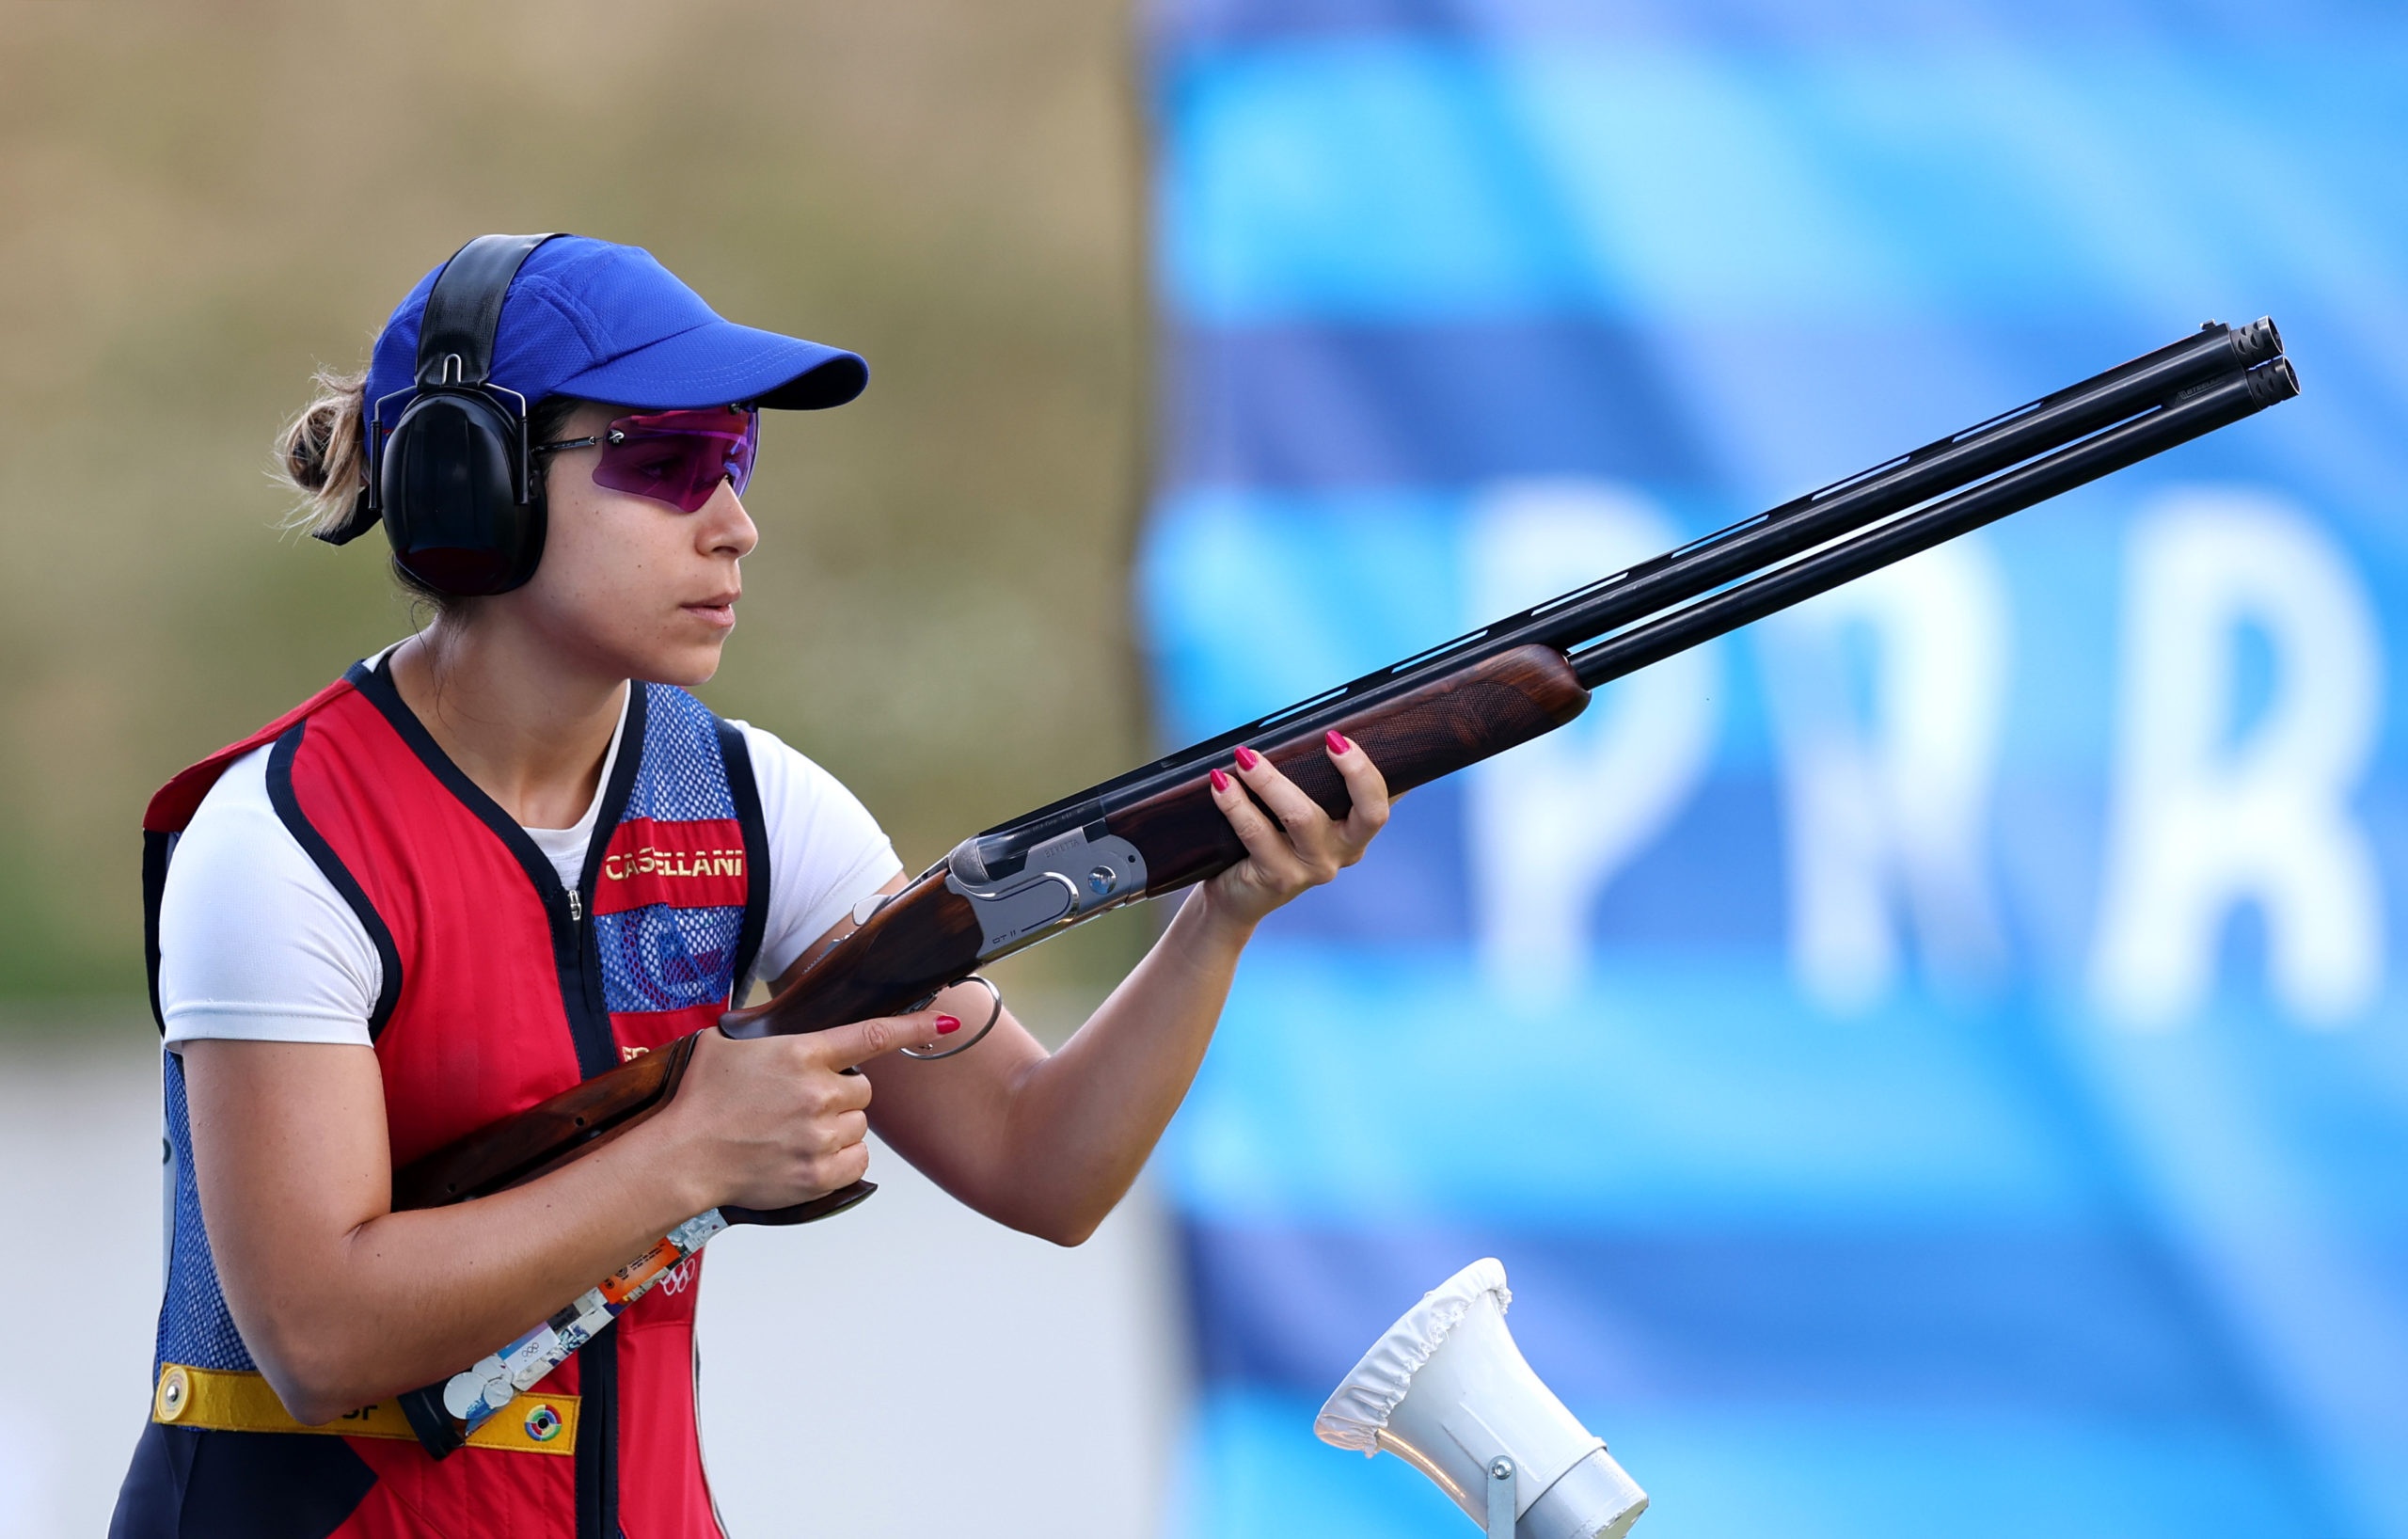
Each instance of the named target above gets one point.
<point>1154,830</point>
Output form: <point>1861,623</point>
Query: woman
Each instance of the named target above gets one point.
<point>510,851</point>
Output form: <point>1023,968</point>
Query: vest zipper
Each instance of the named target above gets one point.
<point>596,1477</point>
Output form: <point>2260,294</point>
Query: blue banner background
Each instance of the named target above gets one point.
<point>1934,1063</point>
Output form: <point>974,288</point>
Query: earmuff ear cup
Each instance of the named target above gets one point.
<point>448,478</point>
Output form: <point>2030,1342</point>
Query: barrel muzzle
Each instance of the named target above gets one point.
<point>2257,341</point>
<point>2272,382</point>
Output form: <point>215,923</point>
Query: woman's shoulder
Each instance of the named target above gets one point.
<point>773,756</point>
<point>236,818</point>
<point>797,788</point>
<point>254,941</point>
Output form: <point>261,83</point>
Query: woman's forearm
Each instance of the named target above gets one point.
<point>411,1298</point>
<point>1049,1144</point>
<point>1081,1122</point>
<point>342,1301</point>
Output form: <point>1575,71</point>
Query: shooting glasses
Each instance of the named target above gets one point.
<point>677,457</point>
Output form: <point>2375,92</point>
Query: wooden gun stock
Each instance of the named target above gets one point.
<point>546,1135</point>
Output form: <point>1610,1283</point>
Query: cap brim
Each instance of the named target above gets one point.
<point>720,363</point>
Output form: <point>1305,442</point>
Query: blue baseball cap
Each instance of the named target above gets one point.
<point>608,323</point>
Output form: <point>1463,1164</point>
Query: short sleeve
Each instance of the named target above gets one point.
<point>826,851</point>
<point>254,942</point>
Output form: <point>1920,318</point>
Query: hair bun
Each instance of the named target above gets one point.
<point>319,454</point>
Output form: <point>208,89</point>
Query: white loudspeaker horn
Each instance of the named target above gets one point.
<point>1448,1391</point>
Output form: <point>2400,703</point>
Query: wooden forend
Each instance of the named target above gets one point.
<point>1431,732</point>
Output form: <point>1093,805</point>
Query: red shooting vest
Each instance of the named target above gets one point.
<point>500,988</point>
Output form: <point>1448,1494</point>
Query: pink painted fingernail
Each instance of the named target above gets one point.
<point>1220,781</point>
<point>946,1023</point>
<point>1338,743</point>
<point>1247,757</point>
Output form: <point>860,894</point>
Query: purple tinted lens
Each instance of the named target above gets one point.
<point>680,457</point>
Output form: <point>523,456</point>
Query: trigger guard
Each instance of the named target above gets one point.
<point>994,1014</point>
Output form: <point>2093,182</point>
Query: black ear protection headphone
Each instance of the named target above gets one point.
<point>452,479</point>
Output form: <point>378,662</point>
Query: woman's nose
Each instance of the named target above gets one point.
<point>726,526</point>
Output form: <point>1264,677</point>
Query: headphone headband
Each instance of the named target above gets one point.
<point>464,310</point>
<point>451,479</point>
<point>460,319</point>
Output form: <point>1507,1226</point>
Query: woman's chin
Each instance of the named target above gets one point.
<point>686,667</point>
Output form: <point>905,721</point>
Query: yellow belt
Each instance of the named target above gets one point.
<point>226,1401</point>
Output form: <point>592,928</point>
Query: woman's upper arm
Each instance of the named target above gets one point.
<point>286,1134</point>
<point>267,980</point>
<point>289,1150</point>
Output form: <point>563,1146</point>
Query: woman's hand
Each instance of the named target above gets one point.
<point>1304,847</point>
<point>771,1122</point>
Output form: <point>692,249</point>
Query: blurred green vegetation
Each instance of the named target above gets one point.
<point>204,201</point>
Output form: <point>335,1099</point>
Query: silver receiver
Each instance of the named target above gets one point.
<point>1069,876</point>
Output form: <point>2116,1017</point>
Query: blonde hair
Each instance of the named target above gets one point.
<point>322,454</point>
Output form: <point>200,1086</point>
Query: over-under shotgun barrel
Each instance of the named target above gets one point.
<point>1567,621</point>
<point>2201,410</point>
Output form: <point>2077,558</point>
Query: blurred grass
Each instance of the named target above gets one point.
<point>206,201</point>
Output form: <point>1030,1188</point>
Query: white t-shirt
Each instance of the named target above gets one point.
<point>256,944</point>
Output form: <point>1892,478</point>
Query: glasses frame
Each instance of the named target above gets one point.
<point>616,433</point>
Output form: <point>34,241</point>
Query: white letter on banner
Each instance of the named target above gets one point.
<point>2200,821</point>
<point>1894,794</point>
<point>1549,823</point>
